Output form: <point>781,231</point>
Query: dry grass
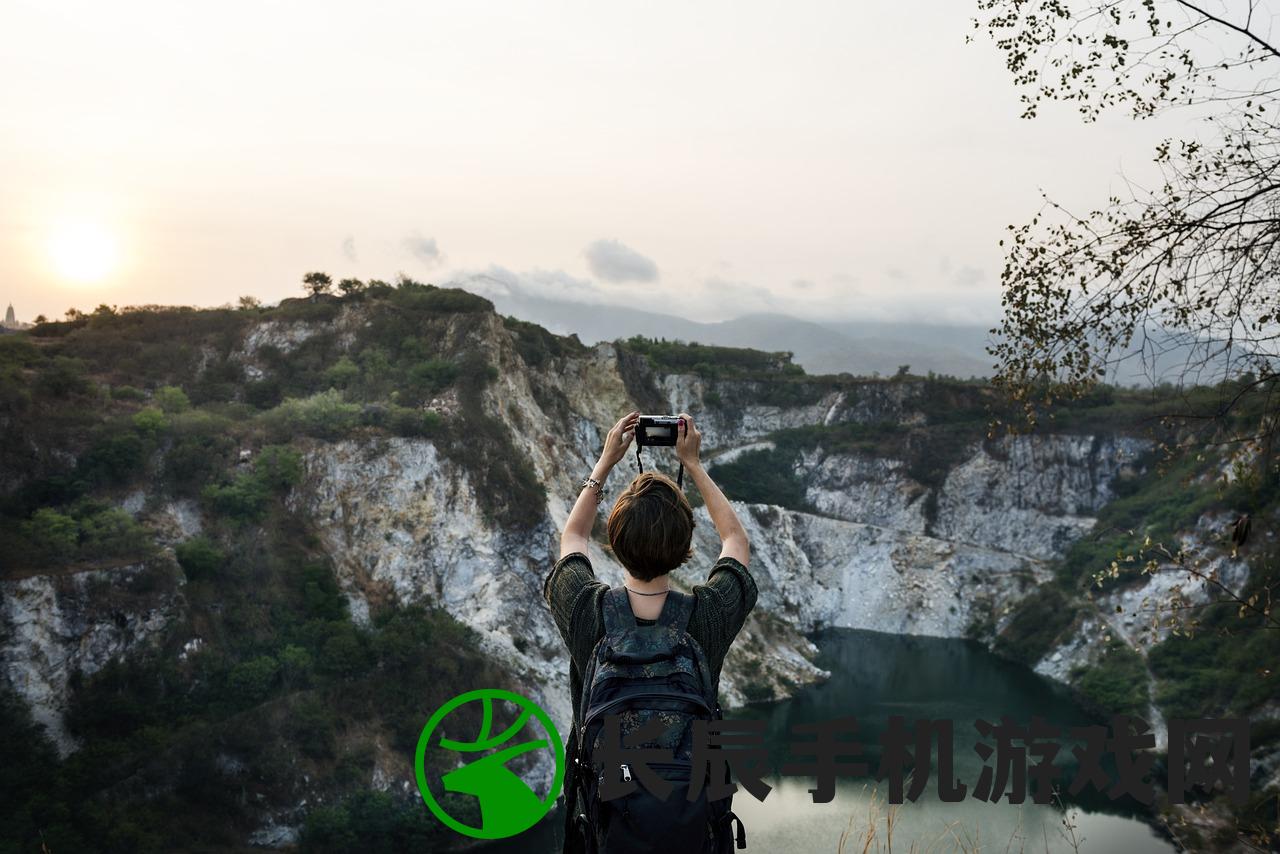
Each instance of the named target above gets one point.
<point>873,834</point>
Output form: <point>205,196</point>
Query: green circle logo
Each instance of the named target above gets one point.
<point>507,804</point>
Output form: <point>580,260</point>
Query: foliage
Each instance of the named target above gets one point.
<point>1117,682</point>
<point>763,477</point>
<point>201,446</point>
<point>317,283</point>
<point>87,531</point>
<point>1036,623</point>
<point>382,823</point>
<point>711,362</point>
<point>172,399</point>
<point>324,415</point>
<point>537,347</point>
<point>1182,270</point>
<point>200,557</point>
<point>245,497</point>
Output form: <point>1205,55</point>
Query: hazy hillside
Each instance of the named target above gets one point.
<point>863,348</point>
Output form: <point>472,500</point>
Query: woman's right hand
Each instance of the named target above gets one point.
<point>688,441</point>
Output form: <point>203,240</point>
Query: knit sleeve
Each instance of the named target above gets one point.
<point>573,593</point>
<point>723,604</point>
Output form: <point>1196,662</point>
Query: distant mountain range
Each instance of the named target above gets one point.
<point>862,348</point>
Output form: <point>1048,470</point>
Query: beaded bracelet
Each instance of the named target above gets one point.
<point>594,484</point>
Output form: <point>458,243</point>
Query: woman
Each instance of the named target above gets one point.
<point>650,532</point>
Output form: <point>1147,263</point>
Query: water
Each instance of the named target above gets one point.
<point>874,676</point>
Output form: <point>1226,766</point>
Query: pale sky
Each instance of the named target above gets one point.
<point>823,159</point>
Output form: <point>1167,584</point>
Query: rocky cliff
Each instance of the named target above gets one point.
<point>874,539</point>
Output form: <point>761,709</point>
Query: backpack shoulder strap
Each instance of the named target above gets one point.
<point>676,612</point>
<point>618,616</point>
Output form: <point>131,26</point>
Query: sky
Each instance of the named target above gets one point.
<point>825,160</point>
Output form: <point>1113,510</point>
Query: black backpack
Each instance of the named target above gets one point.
<point>657,677</point>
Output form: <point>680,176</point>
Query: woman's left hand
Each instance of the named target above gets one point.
<point>619,439</point>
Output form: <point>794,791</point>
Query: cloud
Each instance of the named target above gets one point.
<point>897,274</point>
<point>496,282</point>
<point>802,284</point>
<point>967,277</point>
<point>746,296</point>
<point>423,248</point>
<point>349,248</point>
<point>614,262</point>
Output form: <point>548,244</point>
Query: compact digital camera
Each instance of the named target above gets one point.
<point>657,430</point>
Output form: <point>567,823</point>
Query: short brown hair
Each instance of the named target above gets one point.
<point>651,526</point>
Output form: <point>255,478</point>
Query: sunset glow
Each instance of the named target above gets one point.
<point>83,252</point>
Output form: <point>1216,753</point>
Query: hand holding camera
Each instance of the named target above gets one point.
<point>619,438</point>
<point>689,442</point>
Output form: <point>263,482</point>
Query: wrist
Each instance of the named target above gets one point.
<point>602,469</point>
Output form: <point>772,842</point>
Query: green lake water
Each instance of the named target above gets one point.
<point>874,676</point>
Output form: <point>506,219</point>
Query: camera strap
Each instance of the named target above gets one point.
<point>640,466</point>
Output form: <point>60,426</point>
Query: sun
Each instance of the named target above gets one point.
<point>83,252</point>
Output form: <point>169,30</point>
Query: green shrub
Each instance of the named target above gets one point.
<point>111,532</point>
<point>313,726</point>
<point>345,653</point>
<point>1117,683</point>
<point>296,665</point>
<point>403,421</point>
<point>1036,623</point>
<point>324,415</point>
<point>117,457</point>
<point>243,499</point>
<point>763,477</point>
<point>202,446</point>
<point>127,392</point>
<point>279,467</point>
<point>90,531</point>
<point>200,558</point>
<point>265,393</point>
<point>251,681</point>
<point>150,422</point>
<point>53,534</point>
<point>342,373</point>
<point>433,375</point>
<point>63,376</point>
<point>172,399</point>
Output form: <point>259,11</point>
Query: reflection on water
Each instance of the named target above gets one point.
<point>876,675</point>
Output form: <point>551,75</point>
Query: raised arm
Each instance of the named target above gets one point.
<point>577,528</point>
<point>733,537</point>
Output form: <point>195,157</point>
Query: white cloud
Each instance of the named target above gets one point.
<point>615,262</point>
<point>423,248</point>
<point>496,281</point>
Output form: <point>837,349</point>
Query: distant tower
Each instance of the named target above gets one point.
<point>9,319</point>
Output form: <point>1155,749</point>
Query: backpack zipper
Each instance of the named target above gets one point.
<point>592,714</point>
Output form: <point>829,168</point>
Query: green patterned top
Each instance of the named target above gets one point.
<point>576,598</point>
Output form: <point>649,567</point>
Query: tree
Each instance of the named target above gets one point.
<point>249,303</point>
<point>1186,269</point>
<point>172,399</point>
<point>350,287</point>
<point>317,283</point>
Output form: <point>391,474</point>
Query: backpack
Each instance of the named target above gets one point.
<point>645,674</point>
